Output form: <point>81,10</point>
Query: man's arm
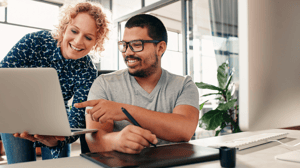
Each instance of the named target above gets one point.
<point>176,127</point>
<point>131,139</point>
<point>96,140</point>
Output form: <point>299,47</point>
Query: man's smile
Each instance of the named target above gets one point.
<point>132,61</point>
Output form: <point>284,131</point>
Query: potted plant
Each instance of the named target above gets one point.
<point>226,113</point>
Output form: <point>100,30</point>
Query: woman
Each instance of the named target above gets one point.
<point>82,28</point>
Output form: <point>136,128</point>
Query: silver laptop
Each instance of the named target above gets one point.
<point>31,100</point>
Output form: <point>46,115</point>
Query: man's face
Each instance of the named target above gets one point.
<point>79,37</point>
<point>143,63</point>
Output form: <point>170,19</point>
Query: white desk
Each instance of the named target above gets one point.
<point>260,156</point>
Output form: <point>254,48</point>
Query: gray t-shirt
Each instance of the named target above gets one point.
<point>170,91</point>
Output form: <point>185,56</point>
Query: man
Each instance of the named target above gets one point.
<point>164,104</point>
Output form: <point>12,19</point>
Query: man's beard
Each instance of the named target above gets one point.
<point>143,73</point>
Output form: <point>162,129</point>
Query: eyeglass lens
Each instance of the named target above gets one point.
<point>135,46</point>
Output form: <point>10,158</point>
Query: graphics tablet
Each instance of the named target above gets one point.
<point>162,156</point>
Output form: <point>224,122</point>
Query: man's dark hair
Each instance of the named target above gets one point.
<point>156,29</point>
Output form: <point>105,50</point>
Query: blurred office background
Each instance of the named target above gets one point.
<point>202,33</point>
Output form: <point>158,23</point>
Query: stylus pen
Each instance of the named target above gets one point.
<point>133,121</point>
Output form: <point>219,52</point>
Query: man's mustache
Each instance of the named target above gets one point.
<point>132,57</point>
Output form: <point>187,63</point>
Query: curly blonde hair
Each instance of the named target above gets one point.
<point>93,10</point>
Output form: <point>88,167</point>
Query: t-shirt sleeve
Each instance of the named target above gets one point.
<point>97,90</point>
<point>189,94</point>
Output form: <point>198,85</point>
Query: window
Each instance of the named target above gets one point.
<point>149,2</point>
<point>215,40</point>
<point>173,41</point>
<point>172,62</point>
<point>32,13</point>
<point>24,16</point>
<point>10,35</point>
<point>2,14</point>
<point>122,8</point>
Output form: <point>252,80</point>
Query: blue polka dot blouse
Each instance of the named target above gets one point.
<point>39,49</point>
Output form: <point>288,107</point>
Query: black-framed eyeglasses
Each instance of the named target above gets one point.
<point>135,45</point>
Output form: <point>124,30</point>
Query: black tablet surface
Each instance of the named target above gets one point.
<point>162,156</point>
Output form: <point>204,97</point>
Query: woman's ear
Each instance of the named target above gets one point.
<point>161,48</point>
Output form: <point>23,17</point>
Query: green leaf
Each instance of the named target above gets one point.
<point>212,119</point>
<point>236,107</point>
<point>211,94</point>
<point>201,105</point>
<point>236,128</point>
<point>222,75</point>
<point>228,82</point>
<point>219,98</point>
<point>235,125</point>
<point>228,95</point>
<point>227,118</point>
<point>226,106</point>
<point>207,86</point>
<point>217,132</point>
<point>223,125</point>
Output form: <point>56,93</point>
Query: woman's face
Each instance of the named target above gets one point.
<point>79,37</point>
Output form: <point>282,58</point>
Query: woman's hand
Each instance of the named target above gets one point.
<point>103,110</point>
<point>49,141</point>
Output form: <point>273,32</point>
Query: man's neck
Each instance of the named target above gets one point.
<point>149,83</point>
